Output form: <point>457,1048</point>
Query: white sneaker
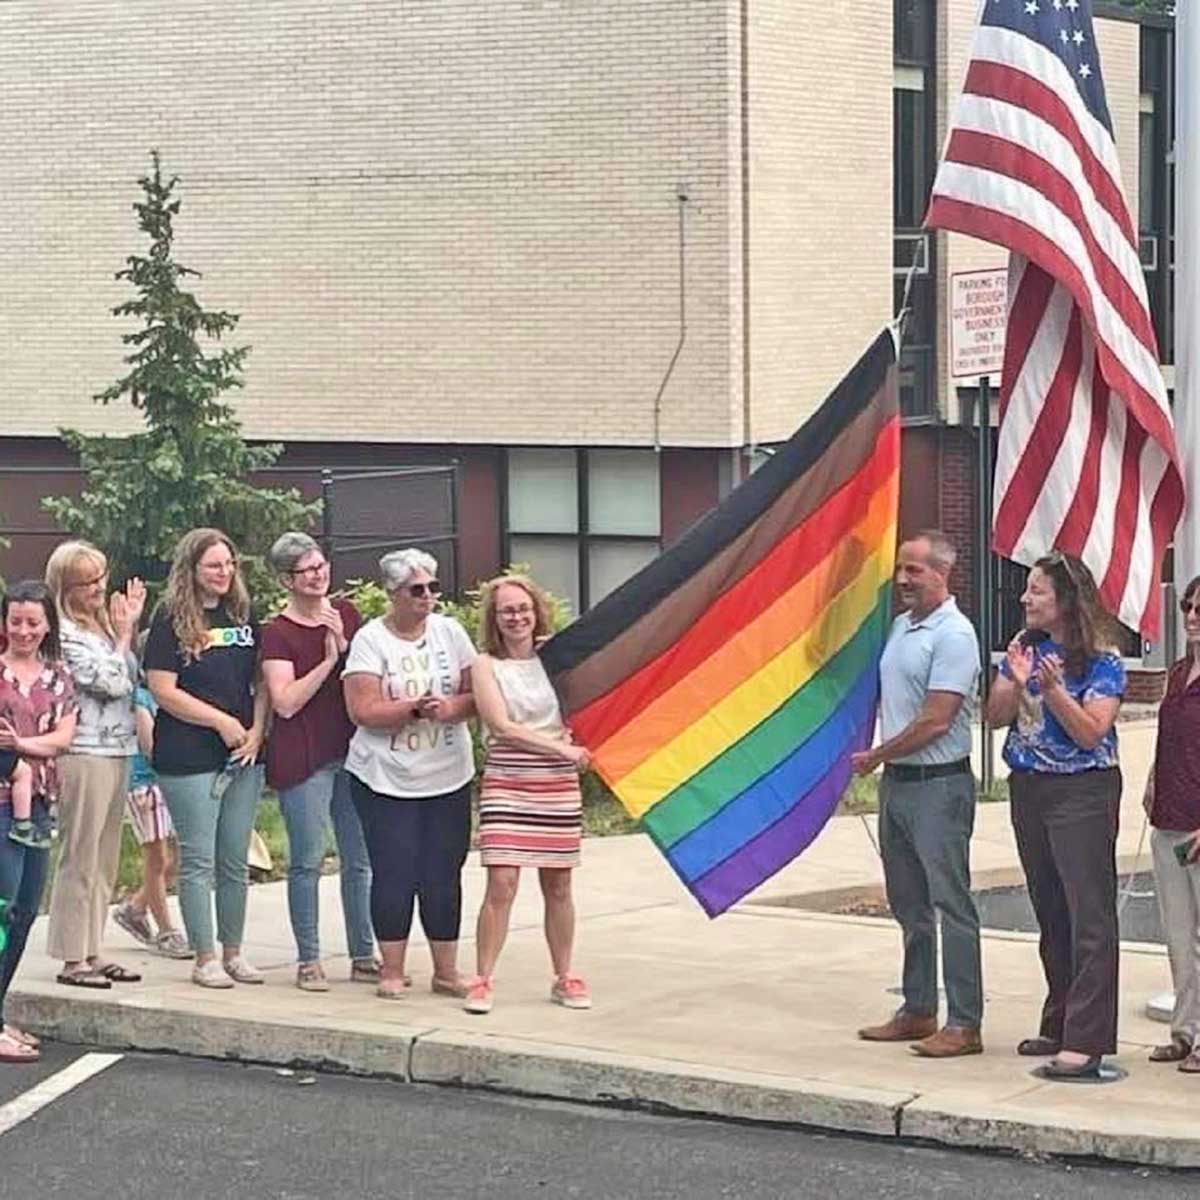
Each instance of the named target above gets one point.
<point>210,975</point>
<point>240,971</point>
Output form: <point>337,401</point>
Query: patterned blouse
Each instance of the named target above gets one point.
<point>104,679</point>
<point>1037,741</point>
<point>49,700</point>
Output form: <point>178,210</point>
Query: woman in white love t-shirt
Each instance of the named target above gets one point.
<point>407,681</point>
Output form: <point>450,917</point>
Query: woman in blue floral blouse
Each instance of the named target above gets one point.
<point>1059,690</point>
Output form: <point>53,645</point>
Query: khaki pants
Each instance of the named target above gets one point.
<point>1178,890</point>
<point>91,804</point>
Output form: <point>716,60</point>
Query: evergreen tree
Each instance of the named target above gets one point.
<point>190,465</point>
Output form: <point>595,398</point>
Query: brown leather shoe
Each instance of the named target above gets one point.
<point>903,1027</point>
<point>952,1042</point>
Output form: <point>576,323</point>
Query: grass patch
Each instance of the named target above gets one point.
<point>862,796</point>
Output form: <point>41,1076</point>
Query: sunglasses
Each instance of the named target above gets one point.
<point>1189,606</point>
<point>417,590</point>
<point>1059,559</point>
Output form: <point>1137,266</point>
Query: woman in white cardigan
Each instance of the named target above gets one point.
<point>97,635</point>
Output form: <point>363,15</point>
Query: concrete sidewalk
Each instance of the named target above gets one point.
<point>752,1016</point>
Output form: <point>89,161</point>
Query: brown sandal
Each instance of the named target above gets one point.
<point>1176,1050</point>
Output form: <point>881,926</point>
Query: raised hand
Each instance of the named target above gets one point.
<point>1020,661</point>
<point>119,614</point>
<point>135,598</point>
<point>332,620</point>
<point>1050,672</point>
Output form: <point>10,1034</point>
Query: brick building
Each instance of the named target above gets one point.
<point>599,254</point>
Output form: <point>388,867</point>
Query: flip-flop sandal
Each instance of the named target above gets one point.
<point>19,1035</point>
<point>118,973</point>
<point>386,992</point>
<point>84,979</point>
<point>1176,1050</point>
<point>14,1051</point>
<point>1191,1064</point>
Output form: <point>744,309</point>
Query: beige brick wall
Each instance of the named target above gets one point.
<point>821,200</point>
<point>1119,52</point>
<point>440,219</point>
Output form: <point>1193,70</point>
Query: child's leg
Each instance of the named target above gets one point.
<point>156,862</point>
<point>21,784</point>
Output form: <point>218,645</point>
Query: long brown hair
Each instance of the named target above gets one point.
<point>492,641</point>
<point>1088,627</point>
<point>182,599</point>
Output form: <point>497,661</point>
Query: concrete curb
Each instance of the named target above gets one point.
<point>429,1055</point>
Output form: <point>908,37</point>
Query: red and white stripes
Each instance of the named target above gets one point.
<point>1087,460</point>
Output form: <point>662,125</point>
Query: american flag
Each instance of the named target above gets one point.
<point>1087,461</point>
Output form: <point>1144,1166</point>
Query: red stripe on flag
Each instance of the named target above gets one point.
<point>1125,517</point>
<point>990,153</point>
<point>1025,316</point>
<point>978,220</point>
<point>997,81</point>
<point>1077,524</point>
<point>1021,496</point>
<point>1164,514</point>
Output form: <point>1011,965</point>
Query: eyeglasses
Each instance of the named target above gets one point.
<point>310,572</point>
<point>1190,606</point>
<point>417,590</point>
<point>87,583</point>
<point>515,611</point>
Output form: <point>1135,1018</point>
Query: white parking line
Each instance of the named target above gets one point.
<point>49,1090</point>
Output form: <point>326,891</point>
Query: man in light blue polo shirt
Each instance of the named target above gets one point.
<point>927,681</point>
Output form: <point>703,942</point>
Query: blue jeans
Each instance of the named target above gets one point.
<point>22,880</point>
<point>308,810</point>
<point>214,839</point>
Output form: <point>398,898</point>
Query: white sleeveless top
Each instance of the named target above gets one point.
<point>528,694</point>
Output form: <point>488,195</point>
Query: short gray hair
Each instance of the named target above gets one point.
<point>398,567</point>
<point>289,549</point>
<point>942,552</point>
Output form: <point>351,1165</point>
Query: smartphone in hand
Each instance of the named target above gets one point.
<point>1183,852</point>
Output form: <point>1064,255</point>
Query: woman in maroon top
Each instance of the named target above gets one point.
<point>303,652</point>
<point>1173,804</point>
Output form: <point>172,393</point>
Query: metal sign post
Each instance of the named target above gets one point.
<point>984,588</point>
<point>978,323</point>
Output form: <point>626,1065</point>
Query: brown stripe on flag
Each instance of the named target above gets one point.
<point>653,633</point>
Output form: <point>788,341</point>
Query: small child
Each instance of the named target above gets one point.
<point>153,829</point>
<point>24,831</point>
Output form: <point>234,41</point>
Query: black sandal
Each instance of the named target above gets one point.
<point>84,979</point>
<point>1038,1047</point>
<point>118,973</point>
<point>1176,1050</point>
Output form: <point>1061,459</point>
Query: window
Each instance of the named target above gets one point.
<point>1156,182</point>
<point>583,520</point>
<point>914,161</point>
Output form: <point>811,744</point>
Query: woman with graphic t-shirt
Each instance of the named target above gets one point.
<point>407,682</point>
<point>1059,690</point>
<point>202,667</point>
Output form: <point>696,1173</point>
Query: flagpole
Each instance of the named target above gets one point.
<point>1187,285</point>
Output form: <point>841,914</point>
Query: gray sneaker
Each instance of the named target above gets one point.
<point>172,944</point>
<point>135,923</point>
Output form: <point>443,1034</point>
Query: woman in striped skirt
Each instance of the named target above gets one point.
<point>530,809</point>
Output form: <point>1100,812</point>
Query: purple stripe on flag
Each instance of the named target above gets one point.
<point>774,848</point>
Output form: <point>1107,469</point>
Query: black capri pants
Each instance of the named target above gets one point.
<point>417,850</point>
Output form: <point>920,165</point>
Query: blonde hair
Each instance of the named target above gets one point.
<point>182,600</point>
<point>63,571</point>
<point>491,640</point>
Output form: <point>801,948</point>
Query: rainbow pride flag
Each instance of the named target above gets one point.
<point>722,689</point>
